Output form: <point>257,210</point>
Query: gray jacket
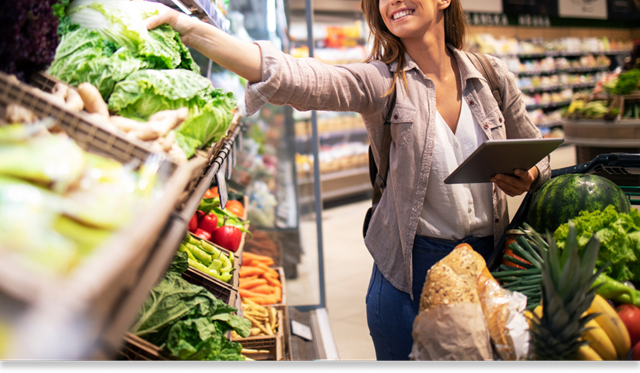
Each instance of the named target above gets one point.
<point>308,84</point>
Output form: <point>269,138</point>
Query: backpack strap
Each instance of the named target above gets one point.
<point>484,66</point>
<point>380,181</point>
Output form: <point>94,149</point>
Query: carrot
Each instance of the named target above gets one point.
<point>278,293</point>
<point>250,271</point>
<point>249,294</point>
<point>264,300</point>
<point>262,289</point>
<point>273,282</point>
<point>244,284</point>
<point>258,258</point>
<point>247,262</point>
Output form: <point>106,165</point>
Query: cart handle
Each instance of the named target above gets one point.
<point>613,163</point>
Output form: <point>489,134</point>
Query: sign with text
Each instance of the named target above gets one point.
<point>623,10</point>
<point>533,7</point>
<point>596,9</point>
<point>485,6</point>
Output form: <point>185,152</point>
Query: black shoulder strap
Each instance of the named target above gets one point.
<point>484,66</point>
<point>379,180</point>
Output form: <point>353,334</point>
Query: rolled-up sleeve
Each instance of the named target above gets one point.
<point>515,114</point>
<point>308,84</point>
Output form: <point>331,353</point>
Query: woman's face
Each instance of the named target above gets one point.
<point>410,18</point>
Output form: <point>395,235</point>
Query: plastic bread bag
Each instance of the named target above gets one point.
<point>504,313</point>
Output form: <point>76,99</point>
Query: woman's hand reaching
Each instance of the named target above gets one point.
<point>180,22</point>
<point>515,186</point>
<point>242,58</point>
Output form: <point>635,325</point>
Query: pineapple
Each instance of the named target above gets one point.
<point>566,280</point>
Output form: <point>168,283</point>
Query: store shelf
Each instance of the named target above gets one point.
<point>571,70</point>
<point>550,105</point>
<point>560,54</point>
<point>336,175</point>
<point>557,87</point>
<point>333,134</point>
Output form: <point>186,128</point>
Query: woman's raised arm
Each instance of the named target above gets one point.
<point>239,56</point>
<point>303,83</point>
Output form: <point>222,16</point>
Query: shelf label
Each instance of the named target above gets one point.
<point>301,330</point>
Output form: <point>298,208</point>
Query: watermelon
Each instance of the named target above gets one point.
<point>563,197</point>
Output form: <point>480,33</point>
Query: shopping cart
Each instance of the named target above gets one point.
<point>612,164</point>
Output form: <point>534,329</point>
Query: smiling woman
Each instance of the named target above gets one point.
<point>425,127</point>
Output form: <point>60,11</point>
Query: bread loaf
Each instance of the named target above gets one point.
<point>463,277</point>
<point>453,280</point>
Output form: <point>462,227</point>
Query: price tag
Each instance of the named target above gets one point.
<point>301,330</point>
<point>222,188</point>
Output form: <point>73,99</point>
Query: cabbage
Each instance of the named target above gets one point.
<point>146,92</point>
<point>122,22</point>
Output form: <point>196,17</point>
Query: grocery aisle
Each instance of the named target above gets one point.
<point>348,267</point>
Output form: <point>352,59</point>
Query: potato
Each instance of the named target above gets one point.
<point>74,101</point>
<point>15,113</point>
<point>92,99</point>
<point>126,124</point>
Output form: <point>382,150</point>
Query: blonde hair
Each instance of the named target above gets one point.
<point>388,48</point>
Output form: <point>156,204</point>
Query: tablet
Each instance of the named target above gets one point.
<point>501,157</point>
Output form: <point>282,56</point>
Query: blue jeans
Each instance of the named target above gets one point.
<point>390,312</point>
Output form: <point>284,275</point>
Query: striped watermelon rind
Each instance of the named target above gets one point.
<point>562,198</point>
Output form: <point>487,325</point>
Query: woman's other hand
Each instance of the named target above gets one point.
<point>180,22</point>
<point>515,186</point>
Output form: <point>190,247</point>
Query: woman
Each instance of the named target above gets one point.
<point>444,111</point>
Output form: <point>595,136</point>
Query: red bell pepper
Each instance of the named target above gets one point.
<point>209,223</point>
<point>203,234</point>
<point>193,223</point>
<point>228,237</point>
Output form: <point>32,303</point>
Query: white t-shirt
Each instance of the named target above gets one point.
<point>455,211</point>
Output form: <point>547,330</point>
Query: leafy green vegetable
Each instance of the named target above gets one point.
<point>619,235</point>
<point>180,263</point>
<point>75,50</point>
<point>64,22</point>
<point>187,320</point>
<point>199,339</point>
<point>627,82</point>
<point>146,92</point>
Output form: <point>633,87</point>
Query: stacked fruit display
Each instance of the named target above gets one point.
<point>586,264</point>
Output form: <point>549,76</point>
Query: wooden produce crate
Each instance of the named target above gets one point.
<point>136,348</point>
<point>197,163</point>
<point>273,344</point>
<point>283,303</point>
<point>97,283</point>
<point>625,102</point>
<point>236,265</point>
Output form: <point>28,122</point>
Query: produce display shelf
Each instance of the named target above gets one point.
<point>236,264</point>
<point>561,54</point>
<point>191,201</point>
<point>550,105</point>
<point>333,134</point>
<point>562,71</point>
<point>557,87</point>
<point>136,348</point>
<point>273,345</point>
<point>129,305</point>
